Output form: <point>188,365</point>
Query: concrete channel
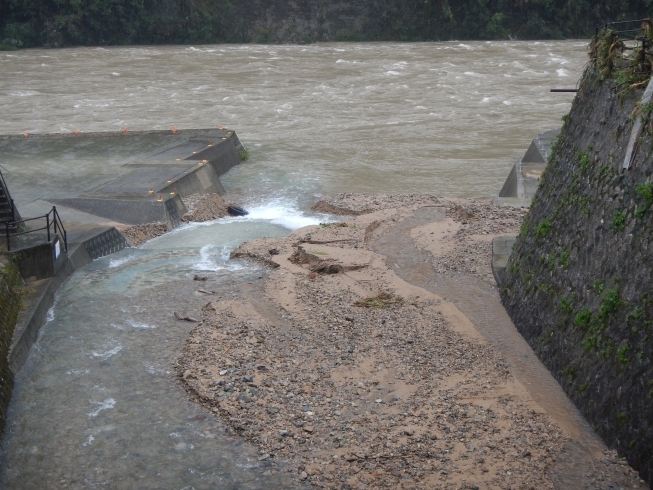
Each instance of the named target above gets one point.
<point>100,184</point>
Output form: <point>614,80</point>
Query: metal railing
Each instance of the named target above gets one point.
<point>52,220</point>
<point>621,32</point>
<point>9,199</point>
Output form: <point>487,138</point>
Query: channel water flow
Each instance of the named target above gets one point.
<point>97,403</point>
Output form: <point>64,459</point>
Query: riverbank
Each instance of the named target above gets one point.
<point>356,378</point>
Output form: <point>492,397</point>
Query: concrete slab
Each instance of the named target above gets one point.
<point>524,177</point>
<point>501,250</point>
<point>118,170</point>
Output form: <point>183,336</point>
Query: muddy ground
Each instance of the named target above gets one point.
<point>356,378</point>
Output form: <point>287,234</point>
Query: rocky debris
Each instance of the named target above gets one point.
<point>469,245</point>
<point>325,207</point>
<point>355,385</point>
<point>612,472</point>
<point>138,234</point>
<point>204,207</point>
<point>394,398</point>
<point>201,207</point>
<point>358,380</point>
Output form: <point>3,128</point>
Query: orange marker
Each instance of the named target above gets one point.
<point>124,130</point>
<point>75,131</point>
<point>26,134</point>
<point>219,127</point>
<point>174,130</point>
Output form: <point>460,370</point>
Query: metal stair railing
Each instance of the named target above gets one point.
<point>3,183</point>
<point>52,220</point>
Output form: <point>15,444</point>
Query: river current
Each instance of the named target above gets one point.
<point>97,404</point>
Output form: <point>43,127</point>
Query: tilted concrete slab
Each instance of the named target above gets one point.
<point>130,211</point>
<point>123,178</point>
<point>524,177</point>
<point>501,250</point>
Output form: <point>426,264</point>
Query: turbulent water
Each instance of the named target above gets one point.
<point>96,404</point>
<point>448,118</point>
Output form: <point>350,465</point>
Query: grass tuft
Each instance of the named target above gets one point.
<point>381,300</point>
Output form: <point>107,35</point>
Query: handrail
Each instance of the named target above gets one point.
<point>621,22</point>
<point>55,223</point>
<point>9,199</point>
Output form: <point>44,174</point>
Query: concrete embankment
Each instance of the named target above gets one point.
<point>577,285</point>
<point>158,169</point>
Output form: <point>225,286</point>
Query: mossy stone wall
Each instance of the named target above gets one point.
<point>11,287</point>
<point>578,284</point>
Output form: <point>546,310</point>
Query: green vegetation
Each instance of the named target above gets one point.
<point>622,354</point>
<point>381,300</point>
<point>645,192</point>
<point>607,52</point>
<point>618,220</point>
<point>609,303</point>
<point>542,229</point>
<point>564,259</point>
<point>569,371</point>
<point>244,154</point>
<point>565,305</point>
<point>583,160</point>
<point>621,418</point>
<point>583,318</point>
<point>56,23</point>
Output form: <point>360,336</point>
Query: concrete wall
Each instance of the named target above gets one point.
<point>578,283</point>
<point>96,243</point>
<point>41,261</point>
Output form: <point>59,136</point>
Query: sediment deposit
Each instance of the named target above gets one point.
<point>355,378</point>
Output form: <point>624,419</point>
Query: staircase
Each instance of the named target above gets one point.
<point>8,212</point>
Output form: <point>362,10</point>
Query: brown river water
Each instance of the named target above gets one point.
<point>95,405</point>
<point>445,118</point>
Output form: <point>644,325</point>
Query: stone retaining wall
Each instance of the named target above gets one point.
<point>11,286</point>
<point>577,285</point>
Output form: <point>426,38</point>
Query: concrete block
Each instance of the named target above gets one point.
<point>501,250</point>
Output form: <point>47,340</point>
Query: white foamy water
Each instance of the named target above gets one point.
<point>107,354</point>
<point>140,325</point>
<point>284,215</point>
<point>121,261</point>
<point>107,404</point>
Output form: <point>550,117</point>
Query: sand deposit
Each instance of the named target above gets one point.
<point>356,379</point>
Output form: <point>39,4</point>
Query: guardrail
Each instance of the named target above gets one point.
<point>9,199</point>
<point>643,23</point>
<point>52,220</point>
